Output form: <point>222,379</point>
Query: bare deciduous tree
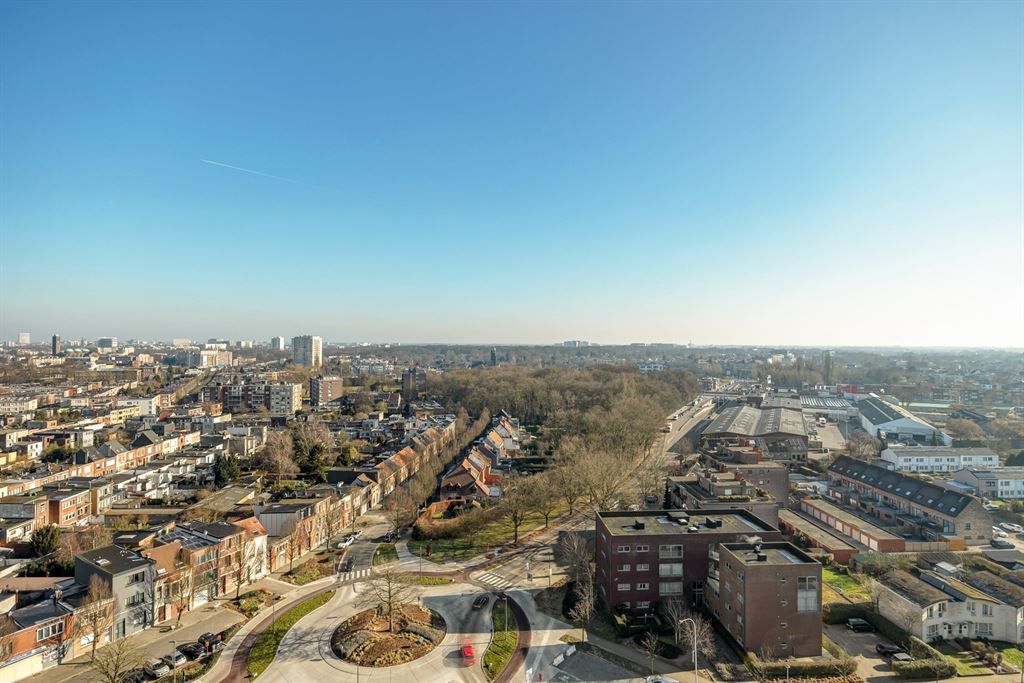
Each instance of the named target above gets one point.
<point>573,552</point>
<point>277,456</point>
<point>583,611</point>
<point>516,502</point>
<point>566,479</point>
<point>545,496</point>
<point>862,445</point>
<point>96,614</point>
<point>113,662</point>
<point>650,645</point>
<point>386,593</point>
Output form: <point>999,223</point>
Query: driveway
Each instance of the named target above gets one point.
<point>862,646</point>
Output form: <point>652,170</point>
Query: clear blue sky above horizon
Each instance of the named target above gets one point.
<point>750,173</point>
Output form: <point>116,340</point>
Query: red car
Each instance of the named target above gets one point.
<point>468,655</point>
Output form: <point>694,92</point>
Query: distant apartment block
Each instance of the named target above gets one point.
<point>55,344</point>
<point>325,389</point>
<point>307,350</point>
<point>277,343</point>
<point>24,338</point>
<point>939,459</point>
<point>244,394</point>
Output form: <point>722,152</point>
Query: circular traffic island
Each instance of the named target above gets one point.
<point>377,637</point>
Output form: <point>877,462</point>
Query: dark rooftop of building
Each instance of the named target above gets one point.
<point>114,559</point>
<point>768,553</point>
<point>904,486</point>
<point>660,522</point>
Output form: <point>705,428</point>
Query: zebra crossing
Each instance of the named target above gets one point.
<point>499,582</point>
<point>356,575</point>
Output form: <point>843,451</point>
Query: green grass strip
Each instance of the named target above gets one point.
<point>503,644</point>
<point>265,648</point>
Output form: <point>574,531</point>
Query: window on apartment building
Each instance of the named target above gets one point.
<point>930,612</point>
<point>670,551</point>
<point>622,549</point>
<point>137,577</point>
<point>983,629</point>
<point>933,631</point>
<point>134,600</point>
<point>670,588</point>
<point>643,548</point>
<point>49,631</point>
<point>623,567</point>
<point>643,586</point>
<point>643,604</point>
<point>643,567</point>
<point>624,587</point>
<point>986,610</point>
<point>670,569</point>
<point>807,594</point>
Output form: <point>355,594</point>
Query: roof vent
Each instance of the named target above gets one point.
<point>638,524</point>
<point>761,557</point>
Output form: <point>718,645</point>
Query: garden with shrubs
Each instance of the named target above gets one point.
<point>369,638</point>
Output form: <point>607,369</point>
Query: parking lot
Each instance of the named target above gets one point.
<point>862,646</point>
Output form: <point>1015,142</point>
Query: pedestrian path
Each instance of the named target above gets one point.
<point>499,582</point>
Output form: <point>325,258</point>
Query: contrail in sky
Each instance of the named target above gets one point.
<point>249,170</point>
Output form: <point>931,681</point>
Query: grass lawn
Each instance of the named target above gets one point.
<point>265,648</point>
<point>498,532</point>
<point>503,644</point>
<point>1011,653</point>
<point>312,569</point>
<point>845,584</point>
<point>385,553</point>
<point>966,665</point>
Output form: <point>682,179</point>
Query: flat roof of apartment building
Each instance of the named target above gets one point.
<point>768,553</point>
<point>660,522</point>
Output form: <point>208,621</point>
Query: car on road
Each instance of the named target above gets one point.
<point>481,601</point>
<point>468,654</point>
<point>859,625</point>
<point>999,532</point>
<point>1002,543</point>
<point>1015,528</point>
<point>175,659</point>
<point>346,566</point>
<point>155,668</point>
<point>887,650</point>
<point>211,642</point>
<point>192,650</point>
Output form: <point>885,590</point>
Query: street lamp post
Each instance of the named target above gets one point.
<point>174,669</point>
<point>694,623</point>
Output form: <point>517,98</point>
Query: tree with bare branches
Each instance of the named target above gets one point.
<point>277,456</point>
<point>582,612</point>
<point>862,445</point>
<point>516,502</point>
<point>95,616</point>
<point>386,593</point>
<point>573,552</point>
<point>650,645</point>
<point>566,479</point>
<point>114,662</point>
<point>546,499</point>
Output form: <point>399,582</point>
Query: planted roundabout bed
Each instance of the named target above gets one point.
<point>367,638</point>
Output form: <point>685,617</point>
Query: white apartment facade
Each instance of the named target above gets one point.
<point>938,458</point>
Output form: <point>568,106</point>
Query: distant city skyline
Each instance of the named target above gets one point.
<point>773,174</point>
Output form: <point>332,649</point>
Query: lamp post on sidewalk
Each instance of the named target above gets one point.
<point>174,668</point>
<point>694,625</point>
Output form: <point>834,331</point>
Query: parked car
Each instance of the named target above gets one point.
<point>999,532</point>
<point>900,657</point>
<point>346,542</point>
<point>481,601</point>
<point>135,676</point>
<point>155,668</point>
<point>192,650</point>
<point>1015,528</point>
<point>659,679</point>
<point>1002,543</point>
<point>887,650</point>
<point>175,659</point>
<point>210,642</point>
<point>468,654</point>
<point>859,626</point>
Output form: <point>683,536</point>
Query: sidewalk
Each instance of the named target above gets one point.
<point>153,642</point>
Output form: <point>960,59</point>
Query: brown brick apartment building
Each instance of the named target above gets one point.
<point>767,596</point>
<point>645,556</point>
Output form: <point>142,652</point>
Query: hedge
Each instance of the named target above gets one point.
<point>925,668</point>
<point>840,666</point>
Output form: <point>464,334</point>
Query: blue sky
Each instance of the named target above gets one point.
<point>752,173</point>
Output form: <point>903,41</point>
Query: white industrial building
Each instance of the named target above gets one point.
<point>896,423</point>
<point>1006,483</point>
<point>938,458</point>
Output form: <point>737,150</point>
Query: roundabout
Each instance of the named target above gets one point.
<point>306,652</point>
